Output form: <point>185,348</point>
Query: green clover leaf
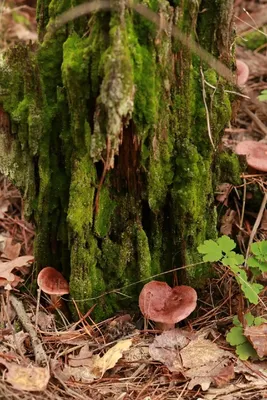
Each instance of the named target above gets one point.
<point>211,250</point>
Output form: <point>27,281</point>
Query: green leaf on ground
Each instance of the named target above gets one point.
<point>211,250</point>
<point>226,244</point>
<point>259,249</point>
<point>245,350</point>
<point>253,262</point>
<point>236,336</point>
<point>249,319</point>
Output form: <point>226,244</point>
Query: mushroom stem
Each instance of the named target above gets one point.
<point>56,301</point>
<point>162,326</point>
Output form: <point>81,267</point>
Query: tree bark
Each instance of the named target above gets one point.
<point>104,128</point>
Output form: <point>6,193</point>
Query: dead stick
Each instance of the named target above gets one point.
<point>256,225</point>
<point>40,355</point>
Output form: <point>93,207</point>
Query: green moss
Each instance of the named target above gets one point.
<point>229,167</point>
<point>81,196</point>
<point>143,254</point>
<point>253,40</point>
<point>105,210</point>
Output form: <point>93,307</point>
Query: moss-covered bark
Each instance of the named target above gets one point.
<point>109,141</point>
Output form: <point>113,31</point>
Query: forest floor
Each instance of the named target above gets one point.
<point>119,358</point>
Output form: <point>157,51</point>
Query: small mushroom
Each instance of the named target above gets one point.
<point>255,152</point>
<point>52,282</point>
<point>166,306</point>
<point>242,72</point>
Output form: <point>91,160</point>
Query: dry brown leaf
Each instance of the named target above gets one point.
<point>83,374</point>
<point>200,352</point>
<point>45,321</point>
<point>4,204</point>
<point>197,358</point>
<point>84,358</point>
<point>225,375</point>
<point>11,251</point>
<point>29,378</point>
<point>227,222</point>
<point>263,224</point>
<point>166,348</point>
<point>17,341</point>
<point>257,335</point>
<point>224,190</point>
<point>3,238</point>
<point>96,367</point>
<point>205,374</point>
<point>9,285</point>
<point>137,353</point>
<point>7,267</point>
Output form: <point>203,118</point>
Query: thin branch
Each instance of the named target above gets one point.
<point>256,225</point>
<point>40,355</point>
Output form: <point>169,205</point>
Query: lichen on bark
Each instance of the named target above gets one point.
<point>109,142</point>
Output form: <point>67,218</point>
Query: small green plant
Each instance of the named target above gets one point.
<point>221,251</point>
<point>236,337</point>
<point>263,96</point>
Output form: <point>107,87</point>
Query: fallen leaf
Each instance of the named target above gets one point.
<point>83,374</point>
<point>225,375</point>
<point>111,357</point>
<point>84,358</point>
<point>4,208</point>
<point>137,353</point>
<point>227,222</point>
<point>96,367</point>
<point>45,321</point>
<point>11,251</point>
<point>257,335</point>
<point>6,284</point>
<point>17,341</point>
<point>205,374</point>
<point>29,378</point>
<point>197,358</point>
<point>7,267</point>
<point>200,352</point>
<point>3,239</point>
<point>224,190</point>
<point>166,348</point>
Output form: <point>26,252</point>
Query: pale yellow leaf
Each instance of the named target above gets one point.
<point>29,378</point>
<point>110,359</point>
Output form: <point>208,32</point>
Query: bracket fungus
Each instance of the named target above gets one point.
<point>242,72</point>
<point>165,305</point>
<point>255,152</point>
<point>52,282</point>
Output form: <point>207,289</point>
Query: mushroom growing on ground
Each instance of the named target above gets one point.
<point>166,306</point>
<point>255,152</point>
<point>242,72</point>
<point>52,282</point>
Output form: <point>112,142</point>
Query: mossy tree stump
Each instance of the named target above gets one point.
<point>107,138</point>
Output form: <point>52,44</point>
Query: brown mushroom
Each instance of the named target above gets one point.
<point>242,72</point>
<point>166,306</point>
<point>255,152</point>
<point>52,282</point>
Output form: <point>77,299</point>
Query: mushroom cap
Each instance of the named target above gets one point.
<point>256,154</point>
<point>160,303</point>
<point>242,72</point>
<point>51,281</point>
